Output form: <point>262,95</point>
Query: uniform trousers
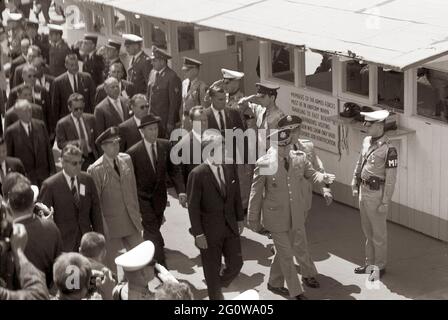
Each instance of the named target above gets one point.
<point>374,226</point>
<point>151,231</point>
<point>114,245</point>
<point>290,244</point>
<point>227,244</point>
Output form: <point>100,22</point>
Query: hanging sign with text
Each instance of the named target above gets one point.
<point>314,109</point>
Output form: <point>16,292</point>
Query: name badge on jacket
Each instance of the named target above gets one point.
<point>82,190</point>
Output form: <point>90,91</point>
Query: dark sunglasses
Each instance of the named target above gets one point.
<point>74,163</point>
<point>145,106</point>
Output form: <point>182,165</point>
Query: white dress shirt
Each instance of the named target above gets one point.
<point>72,81</point>
<point>137,122</point>
<point>26,127</point>
<point>214,169</point>
<point>69,181</point>
<point>83,128</point>
<point>117,106</point>
<point>148,149</point>
<point>216,114</point>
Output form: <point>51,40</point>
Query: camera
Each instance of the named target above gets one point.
<point>96,275</point>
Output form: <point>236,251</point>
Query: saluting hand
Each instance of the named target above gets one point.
<point>328,178</point>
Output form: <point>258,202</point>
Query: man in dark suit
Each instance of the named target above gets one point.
<point>152,164</point>
<point>93,62</point>
<point>33,53</point>
<point>129,132</point>
<point>67,83</point>
<point>189,146</point>
<point>165,92</point>
<point>216,216</point>
<point>127,89</point>
<point>113,56</point>
<point>24,92</point>
<point>78,126</point>
<point>39,95</point>
<point>74,197</point>
<point>140,64</point>
<point>113,110</point>
<point>28,140</point>
<point>8,164</point>
<point>24,45</point>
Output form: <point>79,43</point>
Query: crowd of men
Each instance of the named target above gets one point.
<point>114,128</point>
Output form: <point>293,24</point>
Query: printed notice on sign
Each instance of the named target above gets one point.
<point>314,109</point>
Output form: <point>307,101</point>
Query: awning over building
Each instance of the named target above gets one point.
<point>394,33</point>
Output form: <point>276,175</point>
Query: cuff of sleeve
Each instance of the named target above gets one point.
<point>199,235</point>
<point>182,194</point>
<point>326,190</point>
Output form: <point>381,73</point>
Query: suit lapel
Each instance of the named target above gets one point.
<point>212,120</point>
<point>26,138</point>
<point>114,111</point>
<point>228,124</point>
<point>73,127</point>
<point>111,169</point>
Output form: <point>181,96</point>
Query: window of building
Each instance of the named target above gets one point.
<point>136,28</point>
<point>356,78</point>
<point>282,60</point>
<point>99,24</point>
<point>118,23</point>
<point>432,93</point>
<point>159,37</point>
<point>318,71</point>
<point>391,88</point>
<point>185,38</point>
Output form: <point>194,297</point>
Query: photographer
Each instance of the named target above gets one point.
<point>76,280</point>
<point>45,243</point>
<point>32,281</point>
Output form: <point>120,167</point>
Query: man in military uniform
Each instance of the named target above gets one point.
<point>113,56</point>
<point>193,90</point>
<point>264,110</point>
<point>140,65</point>
<point>276,194</point>
<point>114,178</point>
<point>93,61</point>
<point>59,49</point>
<point>374,182</point>
<point>165,92</point>
<point>293,123</point>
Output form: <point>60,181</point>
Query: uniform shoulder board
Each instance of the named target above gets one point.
<point>264,161</point>
<point>392,158</point>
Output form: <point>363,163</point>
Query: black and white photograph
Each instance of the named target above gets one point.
<point>240,151</point>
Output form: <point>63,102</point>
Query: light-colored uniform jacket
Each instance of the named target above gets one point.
<point>280,195</point>
<point>118,196</point>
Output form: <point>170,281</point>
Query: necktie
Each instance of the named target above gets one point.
<point>154,156</point>
<point>222,184</point>
<point>189,85</point>
<point>73,189</point>
<point>132,61</point>
<point>83,138</point>
<point>116,166</point>
<point>221,120</point>
<point>2,173</point>
<point>157,77</point>
<point>286,164</point>
<point>117,106</point>
<point>29,130</point>
<point>75,83</point>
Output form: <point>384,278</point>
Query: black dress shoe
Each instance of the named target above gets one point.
<point>301,297</point>
<point>361,270</point>
<point>278,290</point>
<point>311,282</point>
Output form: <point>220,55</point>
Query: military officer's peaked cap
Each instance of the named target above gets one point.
<point>55,28</point>
<point>108,135</point>
<point>289,122</point>
<point>131,39</point>
<point>375,116</point>
<point>15,16</point>
<point>283,136</point>
<point>158,53</point>
<point>191,63</point>
<point>91,37</point>
<point>136,258</point>
<point>267,88</point>
<point>111,43</point>
<point>231,74</point>
<point>148,119</point>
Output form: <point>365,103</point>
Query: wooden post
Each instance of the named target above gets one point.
<point>373,84</point>
<point>299,68</point>
<point>410,92</point>
<point>265,60</point>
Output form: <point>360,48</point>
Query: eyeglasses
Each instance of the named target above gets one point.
<point>74,163</point>
<point>143,107</point>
